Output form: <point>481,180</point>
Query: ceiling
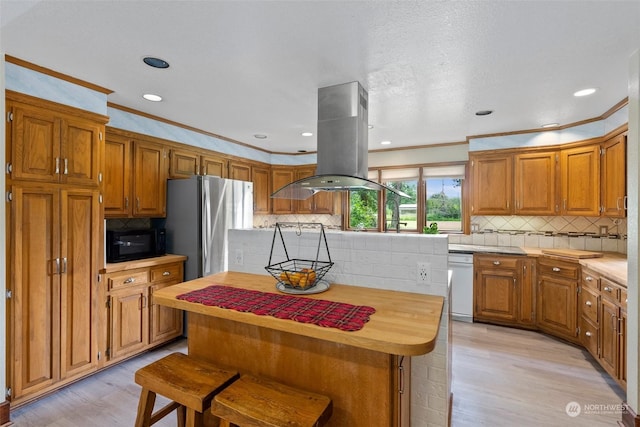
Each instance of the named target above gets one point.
<point>240,68</point>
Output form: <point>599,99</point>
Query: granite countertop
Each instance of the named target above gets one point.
<point>611,265</point>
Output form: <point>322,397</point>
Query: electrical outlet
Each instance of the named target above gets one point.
<point>239,257</point>
<point>424,272</point>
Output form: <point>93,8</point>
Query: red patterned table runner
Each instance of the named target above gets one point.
<point>329,314</point>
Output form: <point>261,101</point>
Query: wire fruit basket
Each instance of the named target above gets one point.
<point>297,273</point>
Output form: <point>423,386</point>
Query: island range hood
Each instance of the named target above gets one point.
<point>342,145</point>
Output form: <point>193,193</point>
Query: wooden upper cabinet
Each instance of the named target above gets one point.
<point>492,185</point>
<point>149,180</point>
<point>117,174</point>
<point>241,171</point>
<point>48,146</point>
<point>305,206</point>
<point>536,183</point>
<point>580,181</point>
<point>614,174</point>
<point>214,165</point>
<point>183,163</point>
<point>280,178</point>
<point>261,176</point>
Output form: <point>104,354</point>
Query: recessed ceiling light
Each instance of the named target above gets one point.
<point>550,125</point>
<point>585,92</point>
<point>260,136</point>
<point>155,62</point>
<point>483,112</point>
<point>370,126</point>
<point>385,142</point>
<point>307,134</point>
<point>152,97</point>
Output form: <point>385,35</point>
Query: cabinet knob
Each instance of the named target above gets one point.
<point>130,280</point>
<point>556,269</point>
<point>496,262</point>
<point>166,273</point>
<point>588,303</point>
<point>607,288</point>
<point>588,333</point>
<point>588,279</point>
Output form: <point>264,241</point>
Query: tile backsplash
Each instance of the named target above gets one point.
<point>583,233</point>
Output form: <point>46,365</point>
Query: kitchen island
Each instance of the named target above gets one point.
<point>364,372</point>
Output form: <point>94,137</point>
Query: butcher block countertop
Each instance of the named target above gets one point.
<point>404,323</point>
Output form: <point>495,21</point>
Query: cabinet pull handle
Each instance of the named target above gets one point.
<point>618,203</point>
<point>620,326</point>
<point>556,269</point>
<point>57,165</point>
<point>624,202</point>
<point>126,203</point>
<point>588,303</point>
<point>588,333</point>
<point>496,262</point>
<point>588,279</point>
<point>64,265</point>
<point>66,166</point>
<point>138,203</point>
<point>614,320</point>
<point>57,266</point>
<point>607,288</point>
<point>166,273</point>
<point>130,280</point>
<point>401,371</point>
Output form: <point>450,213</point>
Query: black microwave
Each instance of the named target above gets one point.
<point>129,245</point>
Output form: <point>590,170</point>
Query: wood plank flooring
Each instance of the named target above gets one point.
<point>501,377</point>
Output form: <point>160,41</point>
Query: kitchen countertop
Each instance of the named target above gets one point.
<point>404,323</point>
<point>612,265</point>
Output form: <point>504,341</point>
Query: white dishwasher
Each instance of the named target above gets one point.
<point>461,266</point>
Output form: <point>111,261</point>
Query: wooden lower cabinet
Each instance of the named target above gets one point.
<point>53,269</point>
<point>135,323</point>
<point>557,298</point>
<point>609,337</point>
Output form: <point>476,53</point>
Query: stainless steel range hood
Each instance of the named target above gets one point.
<point>342,145</point>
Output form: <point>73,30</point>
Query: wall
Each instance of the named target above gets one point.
<point>374,260</point>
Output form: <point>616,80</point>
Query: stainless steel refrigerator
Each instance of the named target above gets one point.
<point>200,212</point>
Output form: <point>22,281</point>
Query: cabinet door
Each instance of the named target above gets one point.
<point>495,295</point>
<point>609,336</point>
<point>183,164</point>
<point>535,183</point>
<point>622,353</point>
<point>80,162</point>
<point>261,190</point>
<point>117,172</point>
<point>305,206</point>
<point>150,180</point>
<point>35,144</point>
<point>527,295</point>
<point>35,283</point>
<point>80,240</point>
<point>580,181</point>
<point>557,307</point>
<point>614,174</point>
<point>165,322</point>
<point>280,178</point>
<point>212,165</point>
<point>492,185</point>
<point>129,321</point>
<point>241,171</point>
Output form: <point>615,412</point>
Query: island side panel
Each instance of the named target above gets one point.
<point>359,381</point>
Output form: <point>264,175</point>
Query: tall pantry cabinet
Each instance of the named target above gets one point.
<point>54,156</point>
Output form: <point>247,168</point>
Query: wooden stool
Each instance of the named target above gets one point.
<point>189,383</point>
<point>259,402</point>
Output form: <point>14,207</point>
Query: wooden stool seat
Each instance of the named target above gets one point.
<point>258,402</point>
<point>191,384</point>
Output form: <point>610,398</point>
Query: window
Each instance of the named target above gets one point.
<point>363,207</point>
<point>443,203</point>
<point>401,213</point>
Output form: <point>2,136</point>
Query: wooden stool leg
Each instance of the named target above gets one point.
<point>182,415</point>
<point>194,418</point>
<point>145,408</point>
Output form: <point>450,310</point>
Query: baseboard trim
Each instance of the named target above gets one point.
<point>4,413</point>
<point>629,417</point>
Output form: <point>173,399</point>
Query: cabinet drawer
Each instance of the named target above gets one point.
<point>589,336</point>
<point>609,290</point>
<point>556,268</point>
<point>590,279</point>
<point>167,272</point>
<point>589,304</point>
<point>488,261</point>
<point>128,278</point>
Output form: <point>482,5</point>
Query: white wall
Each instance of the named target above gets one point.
<point>375,260</point>
<point>438,154</point>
